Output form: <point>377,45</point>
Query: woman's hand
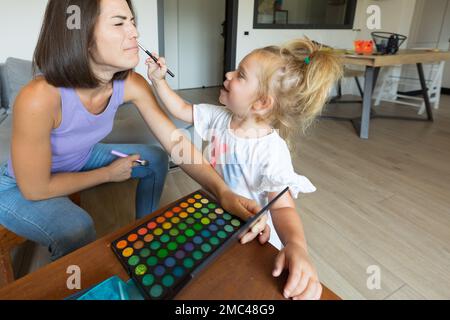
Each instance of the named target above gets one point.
<point>245,208</point>
<point>120,170</point>
<point>303,282</point>
<point>156,71</point>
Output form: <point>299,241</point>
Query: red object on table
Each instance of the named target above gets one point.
<point>363,46</point>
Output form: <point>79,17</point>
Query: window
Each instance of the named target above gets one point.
<point>304,14</point>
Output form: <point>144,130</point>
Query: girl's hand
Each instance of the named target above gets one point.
<point>156,71</point>
<point>245,208</point>
<point>303,282</point>
<point>240,206</point>
<point>260,229</point>
<point>120,170</point>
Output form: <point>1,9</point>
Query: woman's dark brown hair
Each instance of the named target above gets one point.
<point>62,53</point>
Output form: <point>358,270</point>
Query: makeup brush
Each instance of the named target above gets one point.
<point>143,163</point>
<point>154,58</point>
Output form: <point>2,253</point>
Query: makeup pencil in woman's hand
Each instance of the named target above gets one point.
<point>143,163</point>
<point>154,58</point>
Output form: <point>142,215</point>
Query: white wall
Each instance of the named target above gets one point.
<point>171,40</point>
<point>427,31</point>
<point>396,17</point>
<point>20,24</point>
<point>147,13</point>
<point>21,21</point>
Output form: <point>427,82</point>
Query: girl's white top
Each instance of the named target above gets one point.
<point>251,167</point>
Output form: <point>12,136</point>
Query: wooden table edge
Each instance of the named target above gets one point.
<point>5,292</point>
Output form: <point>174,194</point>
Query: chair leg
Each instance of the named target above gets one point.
<point>425,91</point>
<point>359,87</point>
<point>422,109</point>
<point>8,241</point>
<point>436,98</point>
<point>6,271</point>
<point>340,88</point>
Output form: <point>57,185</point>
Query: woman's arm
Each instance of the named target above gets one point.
<point>33,120</point>
<point>138,90</point>
<point>172,101</point>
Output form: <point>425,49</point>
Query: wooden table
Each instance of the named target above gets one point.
<point>373,64</point>
<point>243,272</point>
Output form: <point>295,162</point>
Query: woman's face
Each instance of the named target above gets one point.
<point>115,36</point>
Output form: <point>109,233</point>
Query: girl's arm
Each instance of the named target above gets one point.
<point>303,281</point>
<point>172,101</point>
<point>286,220</point>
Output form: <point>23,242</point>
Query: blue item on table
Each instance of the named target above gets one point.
<point>111,289</point>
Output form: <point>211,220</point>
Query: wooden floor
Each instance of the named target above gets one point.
<point>382,202</point>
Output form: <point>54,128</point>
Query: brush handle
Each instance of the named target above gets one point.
<point>156,60</point>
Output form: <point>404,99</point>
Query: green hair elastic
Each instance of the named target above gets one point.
<point>308,60</point>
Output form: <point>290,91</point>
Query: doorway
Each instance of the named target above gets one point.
<point>430,29</point>
<point>198,39</point>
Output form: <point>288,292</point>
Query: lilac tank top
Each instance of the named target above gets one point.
<point>72,142</point>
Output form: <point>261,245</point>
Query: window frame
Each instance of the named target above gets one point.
<point>349,20</point>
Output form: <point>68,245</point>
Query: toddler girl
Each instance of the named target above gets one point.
<point>274,92</point>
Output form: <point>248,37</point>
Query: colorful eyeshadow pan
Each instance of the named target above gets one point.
<point>132,237</point>
<point>161,254</point>
<point>168,214</point>
<point>184,205</point>
<point>145,253</point>
<point>138,245</point>
<point>183,215</point>
<point>133,261</point>
<point>148,280</point>
<point>122,244</point>
<point>127,252</point>
<point>160,219</point>
<point>175,220</point>
<point>190,210</point>
<point>142,231</point>
<point>213,227</point>
<point>148,238</point>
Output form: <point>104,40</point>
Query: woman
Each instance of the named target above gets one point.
<point>60,118</point>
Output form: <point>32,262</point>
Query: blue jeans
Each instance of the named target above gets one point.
<point>62,226</point>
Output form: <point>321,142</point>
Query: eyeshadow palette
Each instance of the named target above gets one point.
<point>165,253</point>
<point>161,254</point>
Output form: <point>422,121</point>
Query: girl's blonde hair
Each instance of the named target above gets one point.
<point>298,76</point>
